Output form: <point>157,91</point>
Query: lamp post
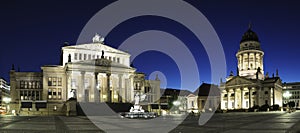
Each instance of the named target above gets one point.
<point>176,104</point>
<point>287,96</point>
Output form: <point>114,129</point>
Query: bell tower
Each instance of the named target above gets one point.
<point>250,56</point>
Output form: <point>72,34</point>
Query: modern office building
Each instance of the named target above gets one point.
<point>4,93</point>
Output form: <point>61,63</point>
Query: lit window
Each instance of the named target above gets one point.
<point>59,93</point>
<point>59,81</point>
<point>25,86</point>
<point>49,81</point>
<point>50,93</point>
<point>22,84</point>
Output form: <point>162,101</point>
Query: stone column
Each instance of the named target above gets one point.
<point>242,97</point>
<point>82,88</point>
<point>228,98</point>
<point>257,95</point>
<point>235,99</point>
<point>242,61</point>
<point>126,90</point>
<point>69,85</point>
<point>96,89</point>
<point>255,61</point>
<point>108,92</point>
<point>121,91</point>
<point>249,88</point>
<point>248,61</point>
<point>273,95</point>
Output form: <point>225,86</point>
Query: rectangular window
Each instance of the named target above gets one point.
<point>93,56</point>
<point>22,95</point>
<point>266,92</point>
<point>59,93</point>
<point>89,57</point>
<point>49,81</point>
<point>29,85</point>
<point>80,56</point>
<point>38,85</point>
<point>33,85</point>
<point>22,84</point>
<point>114,59</point>
<point>59,82</point>
<point>25,86</point>
<point>84,57</point>
<point>97,56</point>
<point>37,95</point>
<point>54,93</point>
<point>49,93</point>
<point>109,58</point>
<point>75,56</point>
<point>118,60</point>
<point>54,81</point>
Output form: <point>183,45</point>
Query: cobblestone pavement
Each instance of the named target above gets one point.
<point>269,122</point>
<point>252,122</point>
<point>45,124</point>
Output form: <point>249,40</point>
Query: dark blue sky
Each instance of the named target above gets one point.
<point>32,33</point>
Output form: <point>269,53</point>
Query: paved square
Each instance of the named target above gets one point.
<point>258,122</point>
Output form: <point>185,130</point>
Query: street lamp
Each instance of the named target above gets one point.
<point>287,96</point>
<point>176,104</point>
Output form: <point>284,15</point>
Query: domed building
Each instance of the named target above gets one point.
<point>250,87</point>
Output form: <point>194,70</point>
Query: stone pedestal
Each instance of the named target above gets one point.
<point>71,107</point>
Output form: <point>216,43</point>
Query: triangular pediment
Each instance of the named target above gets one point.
<point>237,80</point>
<point>191,95</point>
<point>95,47</point>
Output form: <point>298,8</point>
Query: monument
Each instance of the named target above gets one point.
<point>137,111</point>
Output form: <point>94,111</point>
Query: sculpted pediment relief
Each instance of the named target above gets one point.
<point>238,81</point>
<point>102,62</point>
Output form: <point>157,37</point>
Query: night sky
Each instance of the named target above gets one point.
<point>33,32</point>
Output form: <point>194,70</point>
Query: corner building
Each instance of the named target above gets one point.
<point>250,87</point>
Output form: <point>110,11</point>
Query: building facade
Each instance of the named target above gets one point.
<point>250,87</point>
<point>4,94</point>
<point>92,72</point>
<point>293,91</point>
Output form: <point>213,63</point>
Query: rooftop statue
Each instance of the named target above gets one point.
<point>98,39</point>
